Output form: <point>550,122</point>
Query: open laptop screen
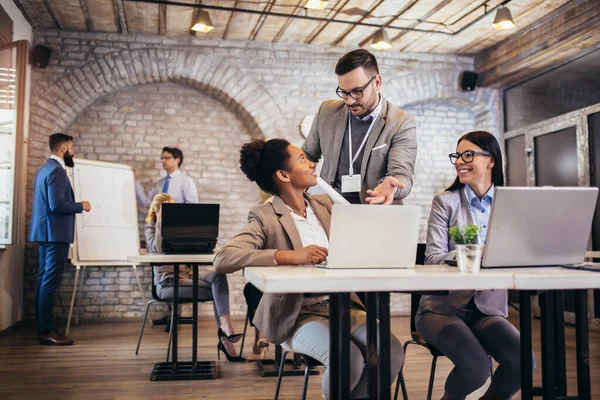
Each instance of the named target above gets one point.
<point>190,221</point>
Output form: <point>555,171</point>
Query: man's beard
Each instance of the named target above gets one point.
<point>69,160</point>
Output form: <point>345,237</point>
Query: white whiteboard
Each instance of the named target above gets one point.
<point>109,232</point>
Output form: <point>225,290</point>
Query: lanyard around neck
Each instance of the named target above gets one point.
<point>350,158</point>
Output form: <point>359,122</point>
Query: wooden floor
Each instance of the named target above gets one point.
<point>102,365</point>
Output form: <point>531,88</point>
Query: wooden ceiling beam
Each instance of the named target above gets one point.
<point>572,23</point>
<point>86,15</point>
<point>350,28</point>
<point>20,7</point>
<point>423,18</point>
<point>288,22</point>
<point>261,20</point>
<point>317,32</point>
<point>229,21</point>
<point>48,5</point>
<point>389,22</point>
<point>120,16</point>
<point>162,19</point>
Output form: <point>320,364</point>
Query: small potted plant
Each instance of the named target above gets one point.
<point>468,250</point>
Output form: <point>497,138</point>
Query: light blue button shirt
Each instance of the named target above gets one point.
<point>181,188</point>
<point>480,209</point>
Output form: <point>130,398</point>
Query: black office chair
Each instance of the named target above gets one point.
<point>415,298</point>
<point>309,362</point>
<point>158,300</point>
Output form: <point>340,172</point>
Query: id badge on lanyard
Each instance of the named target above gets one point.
<point>352,182</point>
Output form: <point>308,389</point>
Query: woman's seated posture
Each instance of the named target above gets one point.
<point>467,326</point>
<point>292,229</point>
<point>211,285</point>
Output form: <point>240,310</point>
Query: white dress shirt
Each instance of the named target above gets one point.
<point>181,188</point>
<point>311,232</point>
<point>60,160</point>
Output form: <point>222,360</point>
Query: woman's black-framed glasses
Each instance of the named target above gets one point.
<point>467,156</point>
<point>355,93</point>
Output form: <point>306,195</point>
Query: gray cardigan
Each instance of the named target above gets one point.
<point>163,274</point>
<point>450,209</point>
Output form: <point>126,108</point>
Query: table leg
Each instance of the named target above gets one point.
<point>559,348</point>
<point>384,345</point>
<point>582,345</point>
<point>194,314</point>
<point>339,315</point>
<point>372,356</point>
<point>547,332</point>
<point>72,300</point>
<point>175,313</point>
<point>184,370</point>
<point>526,361</point>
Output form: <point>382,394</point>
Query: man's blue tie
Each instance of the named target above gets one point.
<point>166,185</point>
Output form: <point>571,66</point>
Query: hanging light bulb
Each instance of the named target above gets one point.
<point>316,4</point>
<point>381,41</point>
<point>503,19</point>
<point>203,22</point>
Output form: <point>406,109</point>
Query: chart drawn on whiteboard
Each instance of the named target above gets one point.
<point>105,189</point>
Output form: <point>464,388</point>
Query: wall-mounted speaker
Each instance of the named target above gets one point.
<point>468,81</point>
<point>40,56</point>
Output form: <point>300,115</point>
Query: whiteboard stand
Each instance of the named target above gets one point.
<point>80,266</point>
<point>113,221</point>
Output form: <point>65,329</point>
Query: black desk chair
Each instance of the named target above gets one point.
<point>158,300</point>
<point>309,362</point>
<point>415,298</point>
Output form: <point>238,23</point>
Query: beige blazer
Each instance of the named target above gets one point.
<point>271,228</point>
<point>391,149</point>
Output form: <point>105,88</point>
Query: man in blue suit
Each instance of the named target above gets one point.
<point>53,227</point>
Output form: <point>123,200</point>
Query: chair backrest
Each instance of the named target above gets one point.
<point>415,298</point>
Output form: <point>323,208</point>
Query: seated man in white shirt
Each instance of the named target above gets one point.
<point>180,186</point>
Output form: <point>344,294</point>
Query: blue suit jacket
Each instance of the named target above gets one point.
<point>54,205</point>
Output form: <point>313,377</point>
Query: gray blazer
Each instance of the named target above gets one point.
<point>450,209</point>
<point>271,228</point>
<point>391,149</point>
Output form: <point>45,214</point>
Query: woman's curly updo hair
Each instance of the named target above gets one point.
<point>260,159</point>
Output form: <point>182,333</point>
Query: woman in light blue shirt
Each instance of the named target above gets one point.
<point>467,326</point>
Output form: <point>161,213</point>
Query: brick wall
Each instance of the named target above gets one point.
<point>125,96</point>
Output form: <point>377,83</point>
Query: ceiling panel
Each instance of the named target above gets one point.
<point>102,13</point>
<point>69,13</point>
<point>141,17</point>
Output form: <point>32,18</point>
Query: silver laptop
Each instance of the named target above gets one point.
<point>539,226</point>
<point>366,236</point>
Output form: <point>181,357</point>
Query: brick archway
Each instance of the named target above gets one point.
<point>443,87</point>
<point>54,108</point>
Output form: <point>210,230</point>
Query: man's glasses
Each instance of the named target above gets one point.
<point>467,156</point>
<point>355,93</point>
<point>166,158</point>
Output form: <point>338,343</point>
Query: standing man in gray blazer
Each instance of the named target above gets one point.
<point>369,146</point>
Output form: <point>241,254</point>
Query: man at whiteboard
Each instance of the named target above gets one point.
<point>177,184</point>
<point>53,227</point>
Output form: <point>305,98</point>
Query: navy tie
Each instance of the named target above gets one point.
<point>166,185</point>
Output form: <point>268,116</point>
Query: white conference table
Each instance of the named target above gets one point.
<point>177,370</point>
<point>340,282</point>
